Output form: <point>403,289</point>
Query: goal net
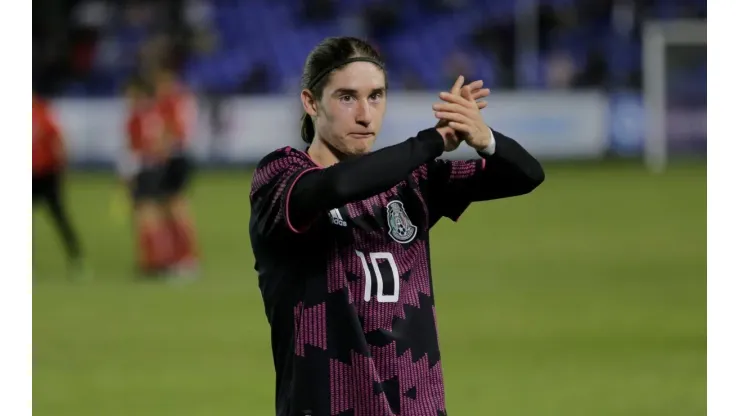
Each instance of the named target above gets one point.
<point>675,91</point>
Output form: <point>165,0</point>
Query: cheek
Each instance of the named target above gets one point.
<point>380,111</point>
<point>346,111</point>
<point>331,126</point>
<point>340,118</point>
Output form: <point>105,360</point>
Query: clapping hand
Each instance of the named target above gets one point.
<point>461,112</point>
<point>473,91</point>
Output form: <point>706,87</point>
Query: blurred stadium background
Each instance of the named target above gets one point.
<point>587,297</point>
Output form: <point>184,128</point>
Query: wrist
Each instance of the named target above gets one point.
<point>489,146</point>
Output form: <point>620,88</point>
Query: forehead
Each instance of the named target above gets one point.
<point>358,76</point>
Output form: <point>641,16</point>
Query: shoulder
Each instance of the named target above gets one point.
<point>286,156</point>
<point>134,114</point>
<point>278,163</point>
<point>183,100</point>
<point>42,111</point>
<point>170,102</point>
<point>131,121</point>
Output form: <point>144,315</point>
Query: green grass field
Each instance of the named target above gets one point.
<point>587,297</point>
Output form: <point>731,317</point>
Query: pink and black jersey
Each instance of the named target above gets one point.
<point>342,255</point>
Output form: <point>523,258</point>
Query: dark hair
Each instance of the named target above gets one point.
<point>138,84</point>
<point>329,55</point>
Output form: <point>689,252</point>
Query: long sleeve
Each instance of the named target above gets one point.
<point>452,185</point>
<point>510,171</point>
<point>289,191</point>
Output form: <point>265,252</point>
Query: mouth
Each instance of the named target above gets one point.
<point>362,135</point>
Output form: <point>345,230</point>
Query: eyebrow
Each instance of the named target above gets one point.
<point>354,92</point>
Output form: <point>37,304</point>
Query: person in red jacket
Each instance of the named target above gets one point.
<point>49,163</point>
<point>143,170</point>
<point>177,107</point>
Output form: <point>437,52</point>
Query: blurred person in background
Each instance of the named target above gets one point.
<point>382,18</point>
<point>313,11</point>
<point>457,63</point>
<point>48,164</point>
<point>143,169</point>
<point>560,71</point>
<point>324,217</point>
<point>594,73</point>
<point>496,39</point>
<point>177,107</point>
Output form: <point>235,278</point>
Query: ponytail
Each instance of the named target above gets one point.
<point>307,129</point>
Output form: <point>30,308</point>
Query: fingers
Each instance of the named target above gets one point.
<point>441,123</point>
<point>451,108</point>
<point>457,107</point>
<point>475,85</point>
<point>481,93</point>
<point>458,85</point>
<point>466,93</point>
<point>478,93</point>
<point>456,99</point>
<point>477,90</point>
<point>462,128</point>
<point>460,104</point>
<point>452,117</point>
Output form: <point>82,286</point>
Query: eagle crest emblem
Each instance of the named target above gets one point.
<point>400,227</point>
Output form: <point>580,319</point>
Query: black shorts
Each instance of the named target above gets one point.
<point>162,181</point>
<point>177,173</point>
<point>46,187</point>
<point>147,184</point>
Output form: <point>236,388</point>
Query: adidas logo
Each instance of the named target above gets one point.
<point>336,218</point>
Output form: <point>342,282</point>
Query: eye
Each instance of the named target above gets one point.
<point>376,96</point>
<point>345,98</point>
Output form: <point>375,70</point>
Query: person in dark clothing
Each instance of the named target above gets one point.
<point>340,236</point>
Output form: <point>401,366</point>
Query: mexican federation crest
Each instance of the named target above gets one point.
<point>400,227</point>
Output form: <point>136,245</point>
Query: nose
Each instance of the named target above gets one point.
<point>362,113</point>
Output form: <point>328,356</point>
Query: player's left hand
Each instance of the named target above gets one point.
<point>464,116</point>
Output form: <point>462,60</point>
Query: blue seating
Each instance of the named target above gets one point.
<point>271,32</point>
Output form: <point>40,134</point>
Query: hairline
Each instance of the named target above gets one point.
<point>328,78</point>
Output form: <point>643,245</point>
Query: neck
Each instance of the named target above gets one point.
<point>323,154</point>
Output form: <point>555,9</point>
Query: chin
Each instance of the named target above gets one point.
<point>351,147</point>
<point>355,147</point>
<point>359,149</point>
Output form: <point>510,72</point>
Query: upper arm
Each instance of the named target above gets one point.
<point>53,136</point>
<point>132,135</point>
<point>177,120</point>
<point>181,112</point>
<point>51,130</point>
<point>272,187</point>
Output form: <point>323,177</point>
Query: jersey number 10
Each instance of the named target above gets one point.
<point>390,278</point>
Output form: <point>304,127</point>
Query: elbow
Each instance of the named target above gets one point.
<point>533,177</point>
<point>537,175</point>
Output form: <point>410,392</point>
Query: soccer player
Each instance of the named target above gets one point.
<point>48,163</point>
<point>144,170</point>
<point>177,107</point>
<point>340,236</point>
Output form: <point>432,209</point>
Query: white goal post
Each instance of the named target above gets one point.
<point>657,37</point>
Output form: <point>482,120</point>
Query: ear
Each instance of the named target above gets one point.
<point>310,105</point>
